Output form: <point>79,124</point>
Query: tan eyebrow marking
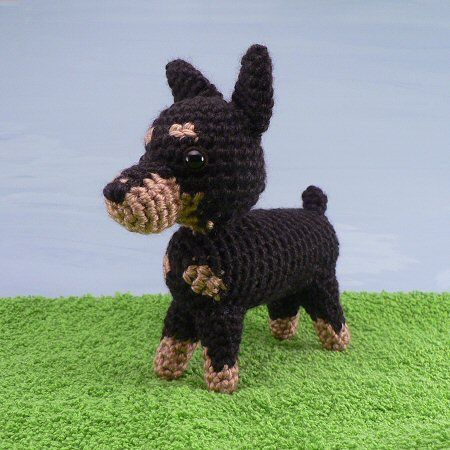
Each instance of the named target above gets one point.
<point>181,131</point>
<point>148,135</point>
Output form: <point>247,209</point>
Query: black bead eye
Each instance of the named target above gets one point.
<point>194,159</point>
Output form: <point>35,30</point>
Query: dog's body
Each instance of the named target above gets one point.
<point>264,256</point>
<point>204,169</point>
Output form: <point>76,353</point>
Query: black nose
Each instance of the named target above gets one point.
<point>115,191</point>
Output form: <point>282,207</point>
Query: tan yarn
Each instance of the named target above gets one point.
<point>156,206</point>
<point>203,281</point>
<point>188,214</point>
<point>150,208</point>
<point>166,265</point>
<point>283,329</point>
<point>225,381</point>
<point>148,135</point>
<point>329,338</point>
<point>172,357</point>
<point>181,131</point>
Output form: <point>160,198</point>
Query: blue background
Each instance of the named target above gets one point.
<point>362,110</point>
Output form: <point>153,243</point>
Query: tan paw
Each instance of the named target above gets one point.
<point>283,329</point>
<point>225,381</point>
<point>172,357</point>
<point>329,338</point>
<point>203,281</point>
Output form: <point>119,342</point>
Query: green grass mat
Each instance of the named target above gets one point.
<point>77,373</point>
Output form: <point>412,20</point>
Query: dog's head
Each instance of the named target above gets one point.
<point>203,163</point>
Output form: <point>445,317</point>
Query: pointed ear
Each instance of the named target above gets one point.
<point>187,82</point>
<point>253,92</point>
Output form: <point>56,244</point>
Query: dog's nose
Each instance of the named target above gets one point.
<point>115,191</point>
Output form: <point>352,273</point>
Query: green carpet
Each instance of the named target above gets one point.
<point>77,373</point>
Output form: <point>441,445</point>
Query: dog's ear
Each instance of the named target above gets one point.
<point>187,82</point>
<point>253,92</point>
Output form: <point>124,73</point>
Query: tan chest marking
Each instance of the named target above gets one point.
<point>203,281</point>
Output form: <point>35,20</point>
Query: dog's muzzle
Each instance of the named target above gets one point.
<point>150,208</point>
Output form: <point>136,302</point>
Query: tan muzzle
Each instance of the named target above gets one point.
<point>150,208</point>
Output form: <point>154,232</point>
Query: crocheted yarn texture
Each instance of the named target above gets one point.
<point>203,168</point>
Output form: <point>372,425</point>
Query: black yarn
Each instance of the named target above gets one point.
<point>284,258</point>
<point>187,82</point>
<point>253,92</point>
<point>314,199</point>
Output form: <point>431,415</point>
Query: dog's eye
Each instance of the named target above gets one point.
<point>194,159</point>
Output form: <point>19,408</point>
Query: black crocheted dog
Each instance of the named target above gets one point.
<point>203,168</point>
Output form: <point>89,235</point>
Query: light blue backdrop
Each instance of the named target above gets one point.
<point>362,110</point>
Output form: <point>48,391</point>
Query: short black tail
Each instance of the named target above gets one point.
<point>314,199</point>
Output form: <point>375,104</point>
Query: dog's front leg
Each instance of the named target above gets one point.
<point>178,342</point>
<point>220,330</point>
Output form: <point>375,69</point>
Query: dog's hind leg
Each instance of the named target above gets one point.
<point>284,316</point>
<point>323,305</point>
<point>177,344</point>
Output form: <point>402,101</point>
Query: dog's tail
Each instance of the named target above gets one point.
<point>314,199</point>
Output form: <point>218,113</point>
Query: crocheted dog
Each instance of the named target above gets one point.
<point>203,168</point>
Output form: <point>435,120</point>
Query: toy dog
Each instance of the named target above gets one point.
<point>203,168</point>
